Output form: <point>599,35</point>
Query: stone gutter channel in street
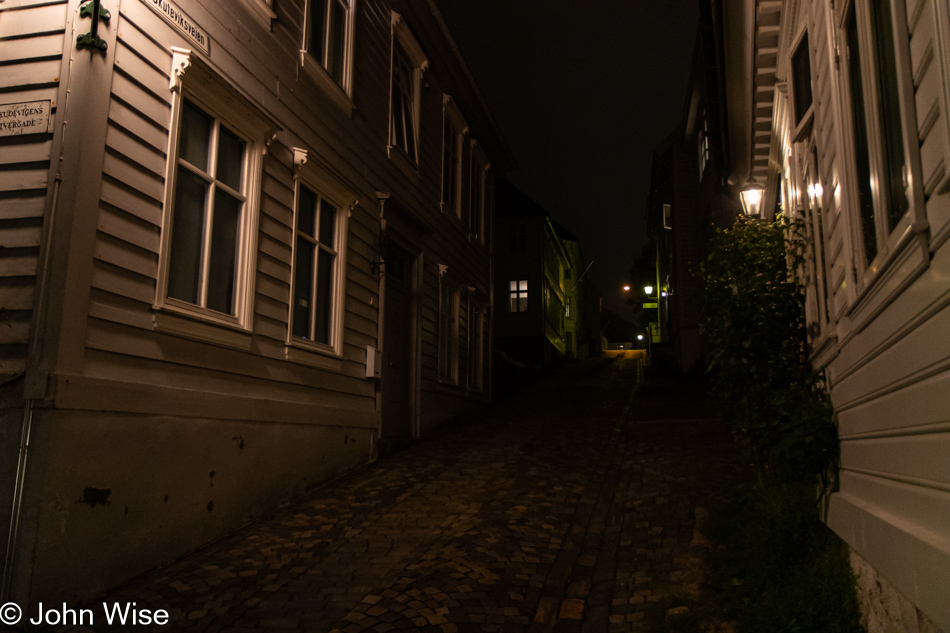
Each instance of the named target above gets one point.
<point>570,506</point>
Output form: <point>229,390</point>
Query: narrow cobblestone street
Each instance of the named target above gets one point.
<point>569,507</point>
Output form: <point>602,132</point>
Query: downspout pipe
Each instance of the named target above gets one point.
<point>25,431</point>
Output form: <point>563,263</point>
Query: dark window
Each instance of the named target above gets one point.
<point>314,267</point>
<point>890,107</point>
<point>450,165</point>
<point>208,213</point>
<point>326,41</point>
<point>861,153</point>
<point>403,103</point>
<point>801,80</point>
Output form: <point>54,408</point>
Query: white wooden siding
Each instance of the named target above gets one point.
<point>31,48</point>
<point>889,361</point>
<point>121,341</point>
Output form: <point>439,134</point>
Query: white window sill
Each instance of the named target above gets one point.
<point>325,82</point>
<point>172,320</point>
<point>313,355</point>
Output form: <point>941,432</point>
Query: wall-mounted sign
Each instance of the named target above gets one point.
<point>180,20</point>
<point>28,117</point>
<point>649,305</point>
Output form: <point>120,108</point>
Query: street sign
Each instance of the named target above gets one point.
<point>649,305</point>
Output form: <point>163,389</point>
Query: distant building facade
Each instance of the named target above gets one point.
<point>687,202</point>
<point>543,296</point>
<point>241,241</point>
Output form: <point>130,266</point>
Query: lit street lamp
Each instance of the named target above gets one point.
<point>751,196</point>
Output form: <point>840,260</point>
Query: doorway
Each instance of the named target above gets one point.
<point>398,339</point>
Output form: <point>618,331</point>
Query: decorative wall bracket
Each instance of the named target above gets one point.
<point>91,41</point>
<point>300,159</point>
<point>181,60</point>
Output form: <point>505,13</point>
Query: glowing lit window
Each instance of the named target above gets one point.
<point>518,291</point>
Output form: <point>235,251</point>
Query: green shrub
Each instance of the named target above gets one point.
<point>754,320</point>
<point>774,566</point>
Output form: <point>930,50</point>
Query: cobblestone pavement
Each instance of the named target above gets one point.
<point>559,510</point>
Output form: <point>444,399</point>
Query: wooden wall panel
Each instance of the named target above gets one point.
<point>32,37</point>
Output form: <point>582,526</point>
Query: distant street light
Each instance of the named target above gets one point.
<point>626,288</point>
<point>639,337</point>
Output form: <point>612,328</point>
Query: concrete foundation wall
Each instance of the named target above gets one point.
<point>112,495</point>
<point>883,608</point>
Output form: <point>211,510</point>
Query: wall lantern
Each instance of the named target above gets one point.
<point>648,290</point>
<point>751,196</point>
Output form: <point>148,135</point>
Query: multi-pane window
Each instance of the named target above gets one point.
<point>448,332</point>
<point>451,172</point>
<point>878,120</point>
<point>703,145</point>
<point>327,33</point>
<point>478,199</point>
<point>315,267</point>
<point>403,106</point>
<point>208,213</point>
<point>518,295</point>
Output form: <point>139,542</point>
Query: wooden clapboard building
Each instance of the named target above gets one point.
<point>240,242</point>
<point>840,110</point>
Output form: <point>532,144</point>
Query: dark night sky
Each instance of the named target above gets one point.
<point>582,97</point>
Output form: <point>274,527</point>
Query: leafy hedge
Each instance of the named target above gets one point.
<point>755,324</point>
<point>775,566</point>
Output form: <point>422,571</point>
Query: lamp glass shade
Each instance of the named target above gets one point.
<point>751,197</point>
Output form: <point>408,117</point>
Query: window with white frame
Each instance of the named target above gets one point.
<point>208,213</point>
<point>882,118</point>
<point>453,130</point>
<point>316,267</point>
<point>477,193</point>
<point>211,197</point>
<point>327,37</point>
<point>801,80</point>
<point>404,104</point>
<point>408,63</point>
<point>518,295</point>
<point>448,332</point>
<point>327,47</point>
